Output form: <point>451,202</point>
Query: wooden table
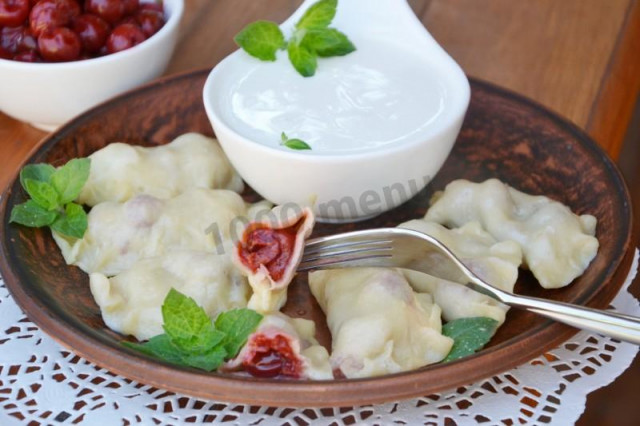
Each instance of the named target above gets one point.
<point>580,58</point>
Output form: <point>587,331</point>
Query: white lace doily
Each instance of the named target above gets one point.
<point>42,383</point>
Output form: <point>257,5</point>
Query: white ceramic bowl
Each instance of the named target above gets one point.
<point>354,185</point>
<point>49,94</point>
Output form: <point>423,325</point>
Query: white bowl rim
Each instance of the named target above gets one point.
<point>462,103</point>
<point>177,9</point>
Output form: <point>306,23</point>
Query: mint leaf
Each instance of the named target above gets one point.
<point>32,214</point>
<point>192,340</point>
<point>51,191</point>
<point>311,39</point>
<point>37,172</point>
<point>302,59</point>
<point>298,144</point>
<point>319,15</point>
<point>160,347</point>
<point>237,325</point>
<point>207,361</point>
<point>73,223</point>
<point>187,324</point>
<point>42,193</point>
<point>261,39</point>
<point>69,179</point>
<point>327,42</point>
<point>469,335</point>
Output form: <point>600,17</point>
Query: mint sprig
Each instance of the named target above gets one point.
<point>52,192</point>
<point>294,143</point>
<point>319,15</point>
<point>469,335</point>
<point>261,39</point>
<point>191,339</point>
<point>312,38</point>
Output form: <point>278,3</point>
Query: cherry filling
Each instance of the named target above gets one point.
<point>271,357</point>
<point>272,248</point>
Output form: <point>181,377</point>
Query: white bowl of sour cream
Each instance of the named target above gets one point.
<point>380,121</point>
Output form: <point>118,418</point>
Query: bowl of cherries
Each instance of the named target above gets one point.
<point>61,57</point>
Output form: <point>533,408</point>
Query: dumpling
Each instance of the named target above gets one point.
<point>283,347</point>
<point>269,252</point>
<point>131,302</point>
<point>379,325</point>
<point>495,262</point>
<point>119,234</point>
<point>455,300</point>
<point>557,244</point>
<point>121,171</point>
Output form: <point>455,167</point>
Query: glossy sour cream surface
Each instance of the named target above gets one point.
<point>378,95</point>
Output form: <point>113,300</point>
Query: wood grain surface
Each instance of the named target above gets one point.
<point>581,58</point>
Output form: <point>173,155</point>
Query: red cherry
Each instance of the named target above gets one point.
<point>10,38</point>
<point>123,37</point>
<point>152,6</point>
<point>59,45</point>
<point>150,21</point>
<point>130,6</point>
<point>30,56</point>
<point>109,10</point>
<point>4,54</point>
<point>49,14</point>
<point>17,39</point>
<point>13,12</point>
<point>71,7</point>
<point>92,30</point>
<point>28,41</point>
<point>127,20</point>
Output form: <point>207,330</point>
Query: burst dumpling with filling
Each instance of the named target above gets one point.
<point>120,171</point>
<point>557,244</point>
<point>131,302</point>
<point>119,234</point>
<point>269,251</point>
<point>379,325</point>
<point>285,347</point>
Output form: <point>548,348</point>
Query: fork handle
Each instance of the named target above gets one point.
<point>619,326</point>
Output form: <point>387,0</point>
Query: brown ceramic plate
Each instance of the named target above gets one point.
<point>504,136</point>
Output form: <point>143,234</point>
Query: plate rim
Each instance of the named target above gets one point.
<point>284,393</point>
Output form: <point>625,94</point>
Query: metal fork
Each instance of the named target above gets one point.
<point>404,248</point>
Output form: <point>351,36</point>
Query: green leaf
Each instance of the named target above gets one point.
<point>31,214</point>
<point>319,15</point>
<point>191,338</point>
<point>207,361</point>
<point>69,179</point>
<point>237,325</point>
<point>38,172</point>
<point>469,335</point>
<point>160,347</point>
<point>295,143</point>
<point>187,324</point>
<point>327,42</point>
<point>73,223</point>
<point>302,59</point>
<point>42,193</point>
<point>261,39</point>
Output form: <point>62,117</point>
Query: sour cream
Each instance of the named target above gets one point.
<point>381,94</point>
